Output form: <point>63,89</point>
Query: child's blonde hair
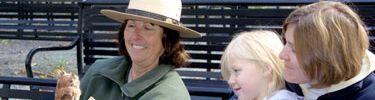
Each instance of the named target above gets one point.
<point>260,46</point>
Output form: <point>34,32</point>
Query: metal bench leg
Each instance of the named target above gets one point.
<point>5,86</point>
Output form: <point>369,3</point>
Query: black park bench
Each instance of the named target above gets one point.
<point>217,20</point>
<point>37,20</point>
<point>44,20</point>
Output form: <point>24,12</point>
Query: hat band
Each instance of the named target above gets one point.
<point>152,15</point>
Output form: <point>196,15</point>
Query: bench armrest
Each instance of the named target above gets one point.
<point>27,81</point>
<point>212,88</point>
<point>32,52</point>
<point>7,92</point>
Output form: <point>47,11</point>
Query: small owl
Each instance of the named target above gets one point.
<point>67,87</point>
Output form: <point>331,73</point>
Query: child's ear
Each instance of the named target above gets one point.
<point>267,72</point>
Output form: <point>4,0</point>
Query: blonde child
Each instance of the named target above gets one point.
<point>252,68</point>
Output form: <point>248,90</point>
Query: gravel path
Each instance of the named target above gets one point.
<point>13,54</point>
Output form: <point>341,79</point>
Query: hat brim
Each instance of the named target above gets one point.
<point>121,17</point>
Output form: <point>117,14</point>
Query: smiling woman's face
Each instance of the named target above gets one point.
<point>143,42</point>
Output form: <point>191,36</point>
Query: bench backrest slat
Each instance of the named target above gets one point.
<point>50,20</point>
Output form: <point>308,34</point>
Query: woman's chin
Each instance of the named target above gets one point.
<point>136,59</point>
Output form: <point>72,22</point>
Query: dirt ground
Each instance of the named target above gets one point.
<point>13,54</point>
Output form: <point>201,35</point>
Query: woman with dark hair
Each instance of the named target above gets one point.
<point>149,42</point>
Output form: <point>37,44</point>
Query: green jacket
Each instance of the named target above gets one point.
<point>107,80</point>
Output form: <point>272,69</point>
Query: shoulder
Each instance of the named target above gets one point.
<point>104,64</point>
<point>101,66</point>
<point>362,90</point>
<point>284,95</point>
<point>171,83</point>
<point>93,78</point>
<point>111,62</point>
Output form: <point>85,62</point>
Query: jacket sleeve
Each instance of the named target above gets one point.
<point>84,86</point>
<point>86,83</point>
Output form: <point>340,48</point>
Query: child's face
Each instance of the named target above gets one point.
<point>247,79</point>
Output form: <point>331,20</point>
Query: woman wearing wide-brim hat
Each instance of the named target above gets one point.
<point>149,42</point>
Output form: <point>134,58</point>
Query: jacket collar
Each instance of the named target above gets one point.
<point>368,67</point>
<point>119,75</point>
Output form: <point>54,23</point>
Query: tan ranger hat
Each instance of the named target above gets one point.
<point>166,13</point>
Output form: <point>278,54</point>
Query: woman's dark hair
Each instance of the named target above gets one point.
<point>173,54</point>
